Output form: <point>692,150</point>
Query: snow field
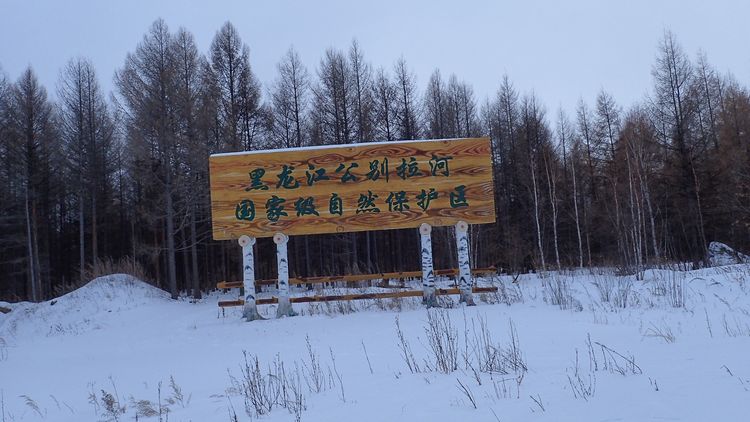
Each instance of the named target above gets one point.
<point>583,345</point>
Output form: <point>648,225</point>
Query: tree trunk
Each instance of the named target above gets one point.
<point>575,209</point>
<point>194,255</point>
<point>81,235</point>
<point>536,217</point>
<point>32,257</point>
<point>94,240</point>
<point>171,270</point>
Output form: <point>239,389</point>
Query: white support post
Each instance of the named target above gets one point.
<point>428,274</point>
<point>250,311</point>
<point>464,269</point>
<point>285,306</point>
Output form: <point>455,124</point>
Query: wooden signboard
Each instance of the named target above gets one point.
<point>347,188</point>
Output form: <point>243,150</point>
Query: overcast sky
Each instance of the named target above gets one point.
<point>562,50</point>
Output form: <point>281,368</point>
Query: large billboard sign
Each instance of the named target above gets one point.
<point>347,188</point>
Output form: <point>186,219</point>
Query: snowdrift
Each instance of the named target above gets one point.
<point>83,309</point>
<point>720,254</point>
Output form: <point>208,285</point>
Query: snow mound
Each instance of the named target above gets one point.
<point>83,309</point>
<point>720,254</point>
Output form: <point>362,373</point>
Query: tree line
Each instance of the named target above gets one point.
<point>121,179</point>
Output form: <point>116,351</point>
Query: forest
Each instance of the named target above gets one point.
<point>93,181</point>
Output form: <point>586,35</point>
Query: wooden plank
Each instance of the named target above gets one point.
<point>240,206</point>
<point>355,277</point>
<point>229,303</point>
<point>360,296</point>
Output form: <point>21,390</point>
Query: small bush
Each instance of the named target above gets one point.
<point>442,338</point>
<point>557,292</point>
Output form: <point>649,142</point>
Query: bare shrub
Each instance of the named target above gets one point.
<point>479,351</point>
<point>615,362</point>
<point>442,338</point>
<point>538,401</point>
<point>3,350</point>
<point>512,356</point>
<point>111,405</point>
<point>125,265</point>
<point>491,357</point>
<point>32,405</point>
<point>102,267</point>
<point>582,385</point>
<point>2,405</point>
<point>312,370</point>
<point>257,389</point>
<point>663,332</point>
<point>676,291</point>
<point>503,387</point>
<point>109,402</point>
<point>265,389</point>
<point>672,289</point>
<point>367,357</point>
<point>467,392</point>
<point>605,285</point>
<point>624,294</point>
<point>507,294</point>
<point>736,327</point>
<point>144,408</point>
<point>405,348</point>
<point>601,358</point>
<point>342,392</point>
<point>557,292</point>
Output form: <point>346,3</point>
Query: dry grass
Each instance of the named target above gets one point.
<point>102,267</point>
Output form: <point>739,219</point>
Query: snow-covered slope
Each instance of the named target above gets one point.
<point>564,346</point>
<point>720,254</point>
<point>81,310</point>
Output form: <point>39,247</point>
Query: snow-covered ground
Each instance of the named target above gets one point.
<point>563,347</point>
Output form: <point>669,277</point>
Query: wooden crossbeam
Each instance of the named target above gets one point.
<point>359,296</point>
<point>355,277</point>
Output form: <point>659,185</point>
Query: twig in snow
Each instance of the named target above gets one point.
<point>367,357</point>
<point>464,389</point>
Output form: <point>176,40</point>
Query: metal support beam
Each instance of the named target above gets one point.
<point>285,306</point>
<point>465,280</point>
<point>428,274</point>
<point>250,310</point>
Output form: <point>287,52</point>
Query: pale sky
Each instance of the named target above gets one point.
<point>561,50</point>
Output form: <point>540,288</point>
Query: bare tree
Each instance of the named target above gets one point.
<point>673,111</point>
<point>434,106</point>
<point>334,98</point>
<point>566,135</point>
<point>289,97</point>
<point>407,111</point>
<point>147,84</point>
<point>31,146</point>
<point>192,151</point>
<point>239,89</point>
<point>384,99</point>
<point>362,82</point>
<point>87,130</point>
<point>534,133</point>
<point>607,127</point>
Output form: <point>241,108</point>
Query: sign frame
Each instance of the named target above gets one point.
<point>438,182</point>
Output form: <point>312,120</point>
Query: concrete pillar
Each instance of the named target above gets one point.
<point>250,311</point>
<point>285,306</point>
<point>465,281</point>
<point>428,274</point>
